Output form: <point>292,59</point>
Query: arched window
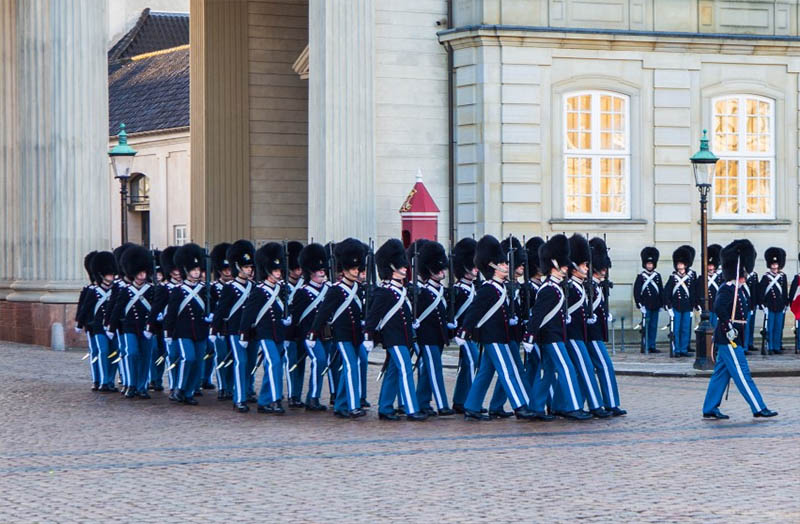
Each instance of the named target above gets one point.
<point>140,192</point>
<point>597,155</point>
<point>744,140</point>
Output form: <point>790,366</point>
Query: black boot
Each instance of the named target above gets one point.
<point>523,413</point>
<point>417,417</point>
<point>314,405</point>
<point>618,412</point>
<point>458,408</point>
<point>766,413</point>
<point>501,413</point>
<point>388,416</point>
<point>474,415</point>
<point>277,408</point>
<point>241,407</point>
<point>295,403</point>
<point>600,413</point>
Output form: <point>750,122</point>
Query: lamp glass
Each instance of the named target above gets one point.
<point>122,166</point>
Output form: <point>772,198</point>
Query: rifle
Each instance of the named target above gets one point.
<point>526,288</point>
<point>512,277</point>
<point>415,300</point>
<point>208,281</point>
<point>643,329</point>
<point>764,334</point>
<point>451,289</point>
<point>671,336</point>
<point>285,287</point>
<point>334,358</point>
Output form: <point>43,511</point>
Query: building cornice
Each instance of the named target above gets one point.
<point>618,40</point>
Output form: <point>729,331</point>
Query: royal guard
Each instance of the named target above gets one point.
<point>155,321</point>
<point>535,278</point>
<point>465,271</point>
<point>159,357</point>
<point>648,294</point>
<point>794,305</point>
<point>680,298</point>
<point>80,327</point>
<point>118,361</point>
<point>714,279</point>
<point>774,297</point>
<point>291,350</point>
<point>223,356</point>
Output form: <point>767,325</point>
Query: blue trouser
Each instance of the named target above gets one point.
<point>651,328</point>
<point>605,373</point>
<point>318,360</point>
<point>499,396</point>
<point>533,361</point>
<point>712,317</point>
<point>137,350</point>
<point>466,373</point>
<point>749,329</point>
<point>431,379</point>
<point>775,330</point>
<point>348,395</point>
<point>122,353</point>
<point>157,360</point>
<point>272,383</point>
<point>333,367</point>
<point>584,369</point>
<point>294,377</point>
<point>363,364</point>
<point>224,372</point>
<point>190,369</point>
<point>113,367</point>
<point>557,371</point>
<point>173,362</point>
<point>398,379</point>
<point>209,363</point>
<point>497,357</point>
<point>251,353</point>
<point>94,361</point>
<point>104,367</point>
<point>732,364</point>
<point>241,370</point>
<point>682,330</point>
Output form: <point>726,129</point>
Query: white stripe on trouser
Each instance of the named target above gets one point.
<point>121,364</point>
<point>239,393</point>
<point>313,355</point>
<point>434,382</point>
<point>91,358</point>
<point>361,393</point>
<point>286,372</point>
<point>606,373</point>
<point>100,361</point>
<point>168,365</point>
<point>566,376</point>
<point>409,404</point>
<point>350,392</point>
<point>126,361</point>
<point>516,374</point>
<point>468,351</point>
<point>585,372</point>
<point>183,363</point>
<point>216,368</point>
<point>268,370</point>
<point>744,382</point>
<point>517,402</point>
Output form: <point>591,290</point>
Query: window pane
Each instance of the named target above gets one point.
<point>586,141</point>
<point>572,103</point>
<point>586,103</point>
<point>572,139</point>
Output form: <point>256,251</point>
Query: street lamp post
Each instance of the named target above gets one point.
<point>122,161</point>
<point>703,164</point>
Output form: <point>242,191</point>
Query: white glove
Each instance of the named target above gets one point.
<point>243,343</point>
<point>671,313</point>
<point>452,325</point>
<point>287,321</point>
<point>698,309</point>
<point>363,323</point>
<point>209,318</point>
<point>160,317</point>
<point>592,319</point>
<point>643,310</point>
<point>146,334</point>
<point>415,325</point>
<point>310,344</point>
<point>569,319</point>
<point>527,346</point>
<point>513,321</point>
<point>110,335</point>
<point>78,330</point>
<point>167,341</point>
<point>368,345</point>
<point>610,318</point>
<point>212,339</point>
<point>460,341</point>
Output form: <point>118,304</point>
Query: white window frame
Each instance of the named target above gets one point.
<point>179,234</point>
<point>596,153</point>
<point>743,156</point>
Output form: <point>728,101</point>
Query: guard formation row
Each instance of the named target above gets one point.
<point>534,314</point>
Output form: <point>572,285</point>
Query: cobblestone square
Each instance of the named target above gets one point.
<point>69,454</point>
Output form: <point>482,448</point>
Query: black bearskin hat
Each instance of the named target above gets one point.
<point>532,247</point>
<point>189,256</point>
<point>390,256</point>
<point>488,253</point>
<point>103,263</point>
<point>683,254</point>
<point>741,253</point>
<point>579,249</point>
<point>350,254</point>
<point>87,264</point>
<point>432,259</point>
<point>268,259</point>
<point>313,258</point>
<point>713,252</point>
<point>136,259</point>
<point>168,260</point>
<point>241,253</point>
<point>600,258</point>
<point>691,252</point>
<point>557,248</point>
<point>520,255</point>
<point>293,249</point>
<point>649,254</point>
<point>464,256</point>
<point>219,260</point>
<point>118,251</point>
<point>775,254</point>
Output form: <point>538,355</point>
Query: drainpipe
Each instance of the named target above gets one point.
<point>451,135</point>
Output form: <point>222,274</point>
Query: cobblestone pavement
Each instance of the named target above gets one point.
<point>68,454</point>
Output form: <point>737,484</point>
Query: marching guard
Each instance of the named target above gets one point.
<point>223,360</point>
<point>534,357</point>
<point>294,367</point>
<point>714,279</point>
<point>159,356</point>
<point>80,325</point>
<point>465,271</point>
<point>750,287</point>
<point>774,298</point>
<point>118,362</point>
<point>155,321</point>
<point>648,294</point>
<point>680,298</point>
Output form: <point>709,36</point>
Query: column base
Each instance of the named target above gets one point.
<point>29,308</point>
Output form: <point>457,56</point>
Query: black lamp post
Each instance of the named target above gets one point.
<point>703,164</point>
<point>122,161</point>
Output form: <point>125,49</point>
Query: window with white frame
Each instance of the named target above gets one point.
<point>597,155</point>
<point>744,141</point>
<point>179,234</point>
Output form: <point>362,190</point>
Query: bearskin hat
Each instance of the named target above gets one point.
<point>168,260</point>
<point>432,259</point>
<point>136,259</point>
<point>532,247</point>
<point>600,258</point>
<point>649,254</point>
<point>219,257</point>
<point>488,253</point>
<point>103,263</point>
<point>464,256</point>
<point>683,254</point>
<point>579,251</point>
<point>87,264</point>
<point>313,258</point>
<point>390,256</point>
<point>520,254</point>
<point>268,259</point>
<point>293,249</point>
<point>189,256</point>
<point>118,251</point>
<point>555,249</point>
<point>692,253</point>
<point>739,252</point>
<point>350,254</point>
<point>713,252</point>
<point>241,253</point>
<point>775,254</point>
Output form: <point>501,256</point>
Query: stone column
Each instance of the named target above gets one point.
<point>341,115</point>
<point>8,133</point>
